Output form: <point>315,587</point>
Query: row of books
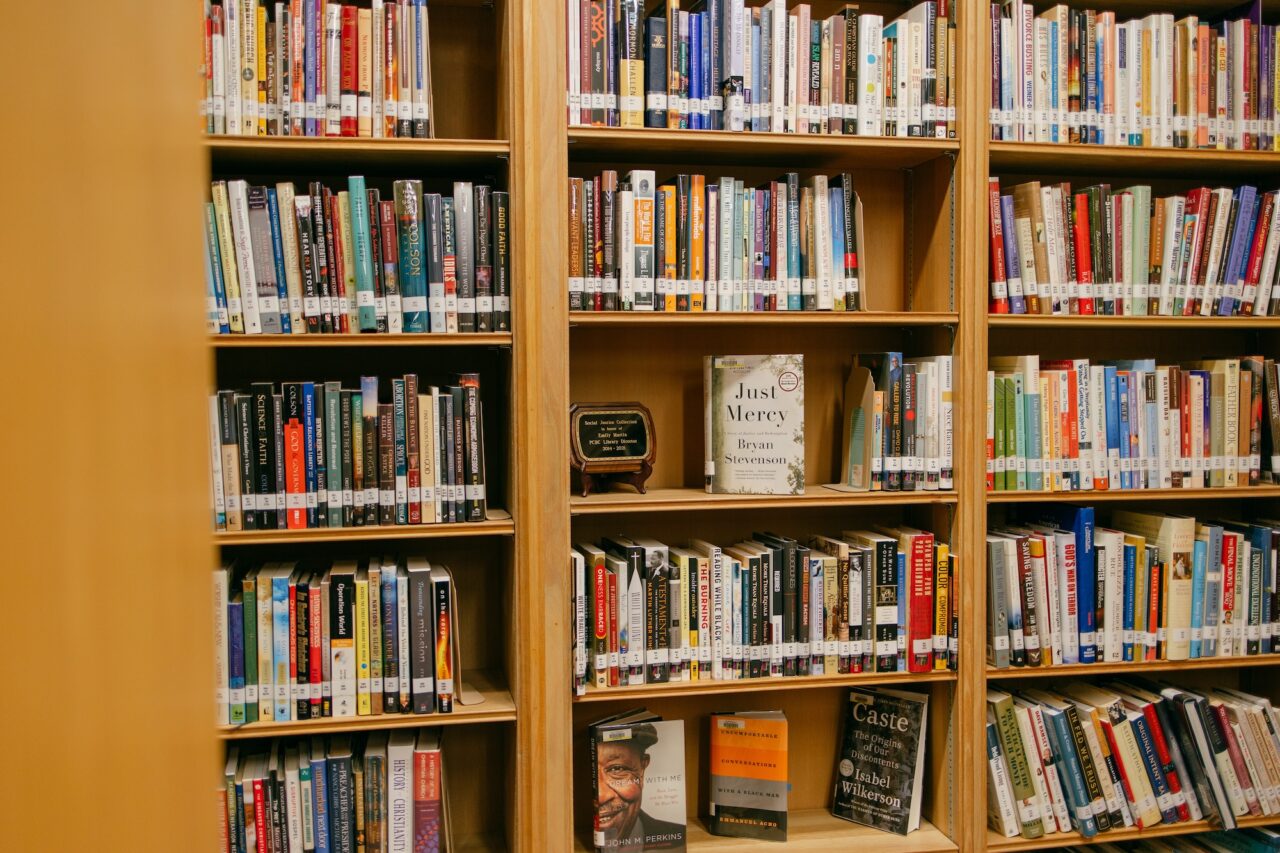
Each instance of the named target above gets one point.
<point>1082,76</point>
<point>697,245</point>
<point>340,794</point>
<point>301,641</point>
<point>1250,840</point>
<point>1072,425</point>
<point>732,66</point>
<point>279,262</point>
<point>1093,758</point>
<point>1206,252</point>
<point>317,68</point>
<point>312,454</point>
<point>1062,588</point>
<point>768,606</point>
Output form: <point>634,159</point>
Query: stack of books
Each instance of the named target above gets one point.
<point>313,454</point>
<point>304,68</point>
<point>1063,588</point>
<point>737,67</point>
<point>1072,425</point>
<point>1082,76</point>
<point>279,262</point>
<point>301,641</point>
<point>769,606</point>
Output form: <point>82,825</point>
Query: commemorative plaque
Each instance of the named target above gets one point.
<point>611,442</point>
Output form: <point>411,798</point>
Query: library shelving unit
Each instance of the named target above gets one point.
<point>1169,340</point>
<point>496,782</point>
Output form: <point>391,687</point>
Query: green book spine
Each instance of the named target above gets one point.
<point>366,305</point>
<point>249,599</point>
<point>333,450</point>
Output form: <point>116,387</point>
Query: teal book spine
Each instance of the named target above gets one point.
<point>413,270</point>
<point>277,258</point>
<point>1078,797</point>
<point>333,450</point>
<point>1199,559</point>
<point>249,613</point>
<point>366,304</point>
<point>216,315</point>
<point>401,453</point>
<point>1019,433</point>
<point>280,646</point>
<point>1035,437</point>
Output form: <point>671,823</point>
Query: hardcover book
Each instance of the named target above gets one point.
<point>754,424</point>
<point>749,775</point>
<point>637,761</point>
<point>880,766</point>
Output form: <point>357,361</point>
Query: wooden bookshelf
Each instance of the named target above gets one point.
<point>1068,839</point>
<point>1087,670</point>
<point>499,523</point>
<point>477,339</point>
<point>1136,495</point>
<point>326,153</point>
<point>1046,321</point>
<point>692,500</point>
<point>644,692</point>
<point>764,318</point>
<point>1054,158</point>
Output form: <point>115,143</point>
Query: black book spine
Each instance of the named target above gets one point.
<point>386,465</point>
<point>792,596</point>
<point>608,269</point>
<point>322,475</point>
<point>307,264</point>
<point>805,661</point>
<point>910,477</point>
<point>442,630</point>
<point>229,436</point>
<point>262,470</point>
<point>302,647</point>
<point>851,70</point>
<point>755,617</point>
<point>399,455</point>
<point>348,460</point>
<point>275,802</point>
<point>484,259</point>
<point>375,248</point>
<point>501,261</point>
<point>322,255</point>
<point>421,642</point>
<point>683,223</point>
<point>658,623</point>
<point>369,453</point>
<point>341,805</point>
<point>458,452</point>
<point>444,445</point>
<point>392,667</point>
<point>655,70</point>
<point>473,441</point>
<point>853,294</point>
<point>277,426</point>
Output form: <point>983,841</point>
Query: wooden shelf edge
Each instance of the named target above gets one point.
<point>1135,494</point>
<point>752,685</point>
<point>746,318</point>
<point>377,340</point>
<point>497,707</point>
<point>1126,159</point>
<point>1014,321</point>
<point>499,523</point>
<point>220,144</point>
<point>1136,667</point>
<point>688,500</point>
<point>1069,839</point>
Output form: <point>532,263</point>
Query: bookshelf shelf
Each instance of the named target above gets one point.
<point>1130,162</point>
<point>616,319</point>
<point>378,340</point>
<point>1067,839</point>
<point>498,523</point>
<point>816,830</point>
<point>1019,321</point>
<point>750,685</point>
<point>1136,668</point>
<point>597,144</point>
<point>1135,495</point>
<point>229,152</point>
<point>497,707</point>
<point>691,500</point>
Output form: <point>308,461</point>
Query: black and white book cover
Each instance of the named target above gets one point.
<point>639,789</point>
<point>881,763</point>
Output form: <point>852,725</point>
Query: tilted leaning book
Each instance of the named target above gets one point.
<point>880,765</point>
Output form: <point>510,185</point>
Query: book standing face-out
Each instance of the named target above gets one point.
<point>637,763</point>
<point>754,424</point>
<point>881,760</point>
<point>749,775</point>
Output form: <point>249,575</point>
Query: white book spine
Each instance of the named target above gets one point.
<point>778,69</point>
<point>399,837</point>
<point>870,75</point>
<point>1266,279</point>
<point>333,70</point>
<point>574,76</point>
<point>215,474</point>
<point>237,198</point>
<point>293,808</point>
<point>378,62</point>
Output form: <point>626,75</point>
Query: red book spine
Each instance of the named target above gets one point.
<point>1197,206</point>
<point>999,286</point>
<point>1153,606</point>
<point>1237,758</point>
<point>260,815</point>
<point>297,65</point>
<point>427,802</point>
<point>1184,398</point>
<point>1073,420</point>
<point>1084,258</point>
<point>293,634</point>
<point>1229,584</point>
<point>350,123</point>
<point>600,624</point>
<point>1162,752</point>
<point>295,474</point>
<point>315,668</point>
<point>920,627</point>
<point>612,592</point>
<point>1253,271</point>
<point>337,265</point>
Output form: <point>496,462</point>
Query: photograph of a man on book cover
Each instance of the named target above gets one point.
<point>639,782</point>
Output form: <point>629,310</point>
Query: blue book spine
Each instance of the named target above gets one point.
<point>715,63</point>
<point>309,448</point>
<point>704,102</point>
<point>1260,540</point>
<point>1006,87</point>
<point>241,829</point>
<point>1137,470</point>
<point>1212,591</point>
<point>277,257</point>
<point>902,612</point>
<point>1020,432</point>
<point>1155,770</point>
<point>1079,520</point>
<point>1079,802</point>
<point>413,250</point>
<point>695,71</point>
<point>1053,78</point>
<point>1241,197</point>
<point>757,84</point>
<point>366,307</point>
<point>1012,260</point>
<point>1035,436</point>
<point>794,296</point>
<point>235,660</point>
<point>390,642</point>
<point>310,66</point>
<point>1130,577</point>
<point>280,641</point>
<point>320,794</point>
<point>837,237</point>
<point>1112,395</point>
<point>1199,556</point>
<point>215,286</point>
<point>1249,216</point>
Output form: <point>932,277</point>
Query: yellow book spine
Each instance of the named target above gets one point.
<point>364,72</point>
<point>697,242</point>
<point>688,625</point>
<point>363,705</point>
<point>941,604</point>
<point>375,637</point>
<point>348,259</point>
<point>222,215</point>
<point>669,252</point>
<point>260,36</point>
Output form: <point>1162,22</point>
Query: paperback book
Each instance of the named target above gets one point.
<point>637,764</point>
<point>880,765</point>
<point>749,778</point>
<point>754,424</point>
